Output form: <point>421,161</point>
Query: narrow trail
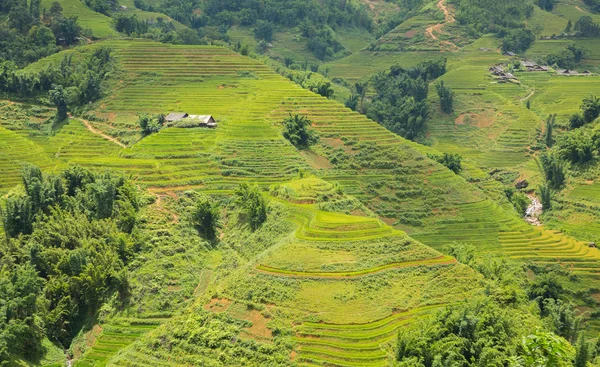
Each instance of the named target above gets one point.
<point>448,18</point>
<point>529,96</point>
<point>99,133</point>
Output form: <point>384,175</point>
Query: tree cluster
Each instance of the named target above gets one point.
<point>311,81</point>
<point>547,5</point>
<point>518,40</point>
<point>253,203</point>
<point>68,239</point>
<point>151,124</point>
<point>490,16</point>
<point>400,102</point>
<point>446,97</point>
<point>568,57</point>
<point>452,161</point>
<point>72,82</point>
<point>296,130</point>
<point>586,27</point>
<point>28,34</point>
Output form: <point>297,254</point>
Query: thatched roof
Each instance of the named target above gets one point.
<point>174,116</point>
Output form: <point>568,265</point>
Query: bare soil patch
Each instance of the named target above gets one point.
<point>411,34</point>
<point>218,305</point>
<point>259,325</point>
<point>316,161</point>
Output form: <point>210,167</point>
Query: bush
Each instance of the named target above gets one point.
<point>295,129</point>
<point>518,40</point>
<point>206,217</point>
<point>254,204</point>
<point>520,201</point>
<point>446,96</point>
<point>452,161</point>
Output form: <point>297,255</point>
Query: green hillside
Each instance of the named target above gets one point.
<point>141,241</point>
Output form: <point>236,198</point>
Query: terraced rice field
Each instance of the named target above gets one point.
<point>341,254</point>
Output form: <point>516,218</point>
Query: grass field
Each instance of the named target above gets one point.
<point>100,24</point>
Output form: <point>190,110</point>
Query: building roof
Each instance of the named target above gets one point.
<point>203,118</point>
<point>174,116</point>
<point>510,53</point>
<point>529,64</point>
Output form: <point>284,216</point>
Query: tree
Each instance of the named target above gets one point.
<point>545,193</point>
<point>528,104</point>
<point>518,40</point>
<point>548,138</point>
<point>569,26</point>
<point>554,169</point>
<point>296,130</point>
<point>20,18</point>
<point>264,31</point>
<point>66,29</point>
<point>446,96</point>
<point>520,201</point>
<point>18,216</point>
<point>591,108</point>
<point>576,121</point>
<point>58,96</point>
<point>577,146</point>
<point>582,355</point>
<point>254,204</point>
<point>206,217</point>
<point>451,161</point>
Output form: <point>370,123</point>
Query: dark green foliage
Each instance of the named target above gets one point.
<point>586,27</point>
<point>593,4</point>
<point>520,201</point>
<point>71,83</point>
<point>20,329</point>
<point>518,40</point>
<point>151,124</point>
<point>311,81</point>
<point>567,58</point>
<point>561,318</point>
<point>490,16</point>
<point>479,332</point>
<point>264,31</point>
<point>58,96</point>
<point>321,41</point>
<point>289,12</point>
<point>102,6</point>
<point>554,169</point>
<point>576,121</point>
<point>18,216</point>
<point>546,194</point>
<point>296,130</point>
<point>130,24</point>
<point>400,103</point>
<point>253,203</point>
<point>76,247</point>
<point>206,217</point>
<point>583,355</point>
<point>446,96</point>
<point>528,104</point>
<point>590,106</point>
<point>548,131</point>
<point>577,146</point>
<point>547,5</point>
<point>451,161</point>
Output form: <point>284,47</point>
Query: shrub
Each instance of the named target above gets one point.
<point>295,129</point>
<point>446,97</point>
<point>254,204</point>
<point>206,217</point>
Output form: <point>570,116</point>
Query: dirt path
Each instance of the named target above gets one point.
<point>99,133</point>
<point>448,18</point>
<point>529,96</point>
